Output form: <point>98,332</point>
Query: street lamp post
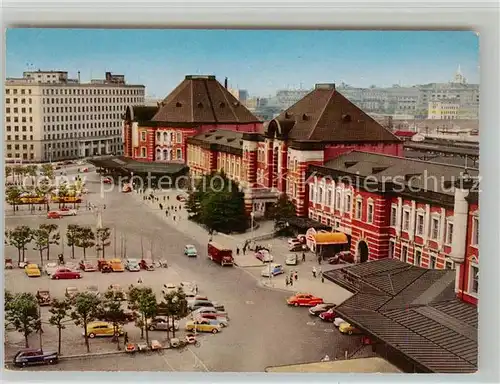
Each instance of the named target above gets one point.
<point>252,214</point>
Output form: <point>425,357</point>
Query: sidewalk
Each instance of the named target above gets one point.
<point>329,291</point>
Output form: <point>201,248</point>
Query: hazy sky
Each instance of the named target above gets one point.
<point>259,61</point>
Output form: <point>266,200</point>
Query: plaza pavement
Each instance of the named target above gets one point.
<point>263,331</point>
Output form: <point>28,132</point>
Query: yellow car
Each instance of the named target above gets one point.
<point>349,329</point>
<point>101,328</point>
<point>203,326</point>
<point>116,265</point>
<point>32,270</point>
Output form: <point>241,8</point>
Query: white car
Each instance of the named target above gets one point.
<point>69,212</point>
<point>71,266</point>
<point>338,321</point>
<point>132,265</point>
<point>264,256</point>
<point>212,311</point>
<point>190,251</point>
<point>50,268</point>
<point>291,259</point>
<point>293,242</point>
<point>189,288</point>
<point>169,287</point>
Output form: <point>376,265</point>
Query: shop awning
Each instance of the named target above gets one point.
<point>327,238</point>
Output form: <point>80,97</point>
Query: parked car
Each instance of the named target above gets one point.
<point>27,357</point>
<point>169,287</point>
<point>147,265</point>
<point>163,324</point>
<point>102,328</point>
<point>190,251</point>
<point>304,300</point>
<point>196,304</point>
<point>293,242</point>
<point>87,266</point>
<point>53,215</point>
<point>43,297</point>
<point>67,212</point>
<point>337,321</point>
<point>50,268</point>
<point>272,269</point>
<point>71,266</point>
<point>93,289</point>
<point>291,259</point>
<point>218,306</point>
<point>189,288</point>
<point>71,292</point>
<point>116,265</point>
<point>210,310</point>
<point>65,273</point>
<point>203,325</point>
<point>349,329</point>
<point>107,180</point>
<point>132,265</point>
<point>329,315</point>
<point>32,270</point>
<point>320,308</point>
<point>264,256</point>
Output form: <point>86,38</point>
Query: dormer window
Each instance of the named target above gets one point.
<point>178,104</point>
<point>346,118</point>
<point>200,105</point>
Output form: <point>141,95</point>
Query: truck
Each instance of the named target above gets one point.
<point>220,254</point>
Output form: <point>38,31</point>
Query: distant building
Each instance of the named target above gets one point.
<point>443,110</point>
<point>49,116</point>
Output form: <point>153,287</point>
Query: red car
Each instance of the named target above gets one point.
<point>147,265</point>
<point>107,180</point>
<point>53,215</point>
<point>304,300</point>
<point>65,273</point>
<point>329,315</point>
<point>87,266</point>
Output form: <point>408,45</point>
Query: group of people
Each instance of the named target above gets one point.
<point>294,276</point>
<point>318,273</point>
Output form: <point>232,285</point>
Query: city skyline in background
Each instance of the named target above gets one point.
<point>261,62</point>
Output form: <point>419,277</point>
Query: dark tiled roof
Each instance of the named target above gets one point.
<point>422,175</point>
<point>227,138</point>
<point>140,113</point>
<point>414,310</point>
<point>130,165</point>
<point>453,150</point>
<point>326,115</point>
<point>202,99</point>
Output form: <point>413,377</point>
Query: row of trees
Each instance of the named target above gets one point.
<point>218,203</point>
<point>23,312</point>
<point>18,172</point>
<point>47,235</point>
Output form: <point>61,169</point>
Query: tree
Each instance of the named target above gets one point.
<point>176,306</point>
<point>85,238</point>
<point>19,237</point>
<point>32,170</point>
<point>41,241</point>
<point>111,310</point>
<point>85,308</point>
<point>8,171</point>
<point>282,210</point>
<point>218,203</point>
<point>59,310</point>
<point>53,236</point>
<point>48,171</point>
<point>143,300</point>
<point>71,237</point>
<point>22,313</point>
<point>13,195</point>
<point>102,238</point>
<point>62,193</point>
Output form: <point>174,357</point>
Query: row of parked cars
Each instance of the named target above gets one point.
<point>325,311</point>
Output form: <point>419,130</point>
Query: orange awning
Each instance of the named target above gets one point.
<point>326,238</point>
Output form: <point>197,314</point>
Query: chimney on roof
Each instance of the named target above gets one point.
<point>225,83</point>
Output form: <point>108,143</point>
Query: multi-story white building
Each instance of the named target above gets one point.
<point>49,116</point>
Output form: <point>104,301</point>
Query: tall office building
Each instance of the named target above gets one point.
<point>50,117</point>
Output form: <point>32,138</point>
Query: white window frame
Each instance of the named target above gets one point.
<point>448,237</point>
<point>348,203</point>
<point>420,215</point>
<point>404,256</point>
<point>406,211</point>
<point>144,152</point>
<point>143,136</point>
<point>392,248</point>
<point>359,208</point>
<point>474,240</point>
<point>394,215</point>
<point>435,219</point>
<point>368,206</point>
<point>337,198</point>
<point>471,280</point>
<point>320,194</point>
<point>311,193</point>
<point>448,261</point>
<point>178,138</point>
<point>433,255</point>
<point>415,252</point>
<point>329,197</point>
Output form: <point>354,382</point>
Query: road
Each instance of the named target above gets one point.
<point>263,331</point>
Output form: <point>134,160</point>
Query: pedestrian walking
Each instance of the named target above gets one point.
<point>303,257</point>
<point>164,197</point>
<point>291,281</point>
<point>237,251</point>
<point>296,275</point>
<point>161,206</point>
<point>320,271</point>
<point>322,278</point>
<point>314,272</point>
<point>174,217</point>
<point>286,281</point>
<point>168,197</point>
<point>244,250</point>
<point>166,213</point>
<point>125,338</point>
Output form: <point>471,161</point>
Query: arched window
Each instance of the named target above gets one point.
<point>171,137</point>
<point>158,154</point>
<point>158,136</point>
<point>170,155</point>
<point>165,155</point>
<point>165,136</point>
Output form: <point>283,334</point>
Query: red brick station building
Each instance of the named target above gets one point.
<point>339,166</point>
